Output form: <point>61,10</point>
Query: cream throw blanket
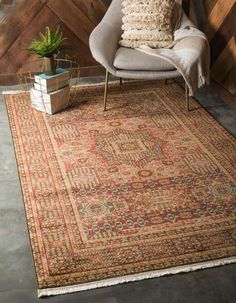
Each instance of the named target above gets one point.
<point>189,54</point>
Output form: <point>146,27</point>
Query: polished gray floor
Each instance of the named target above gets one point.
<point>17,277</point>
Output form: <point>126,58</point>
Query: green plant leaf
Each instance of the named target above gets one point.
<point>49,44</point>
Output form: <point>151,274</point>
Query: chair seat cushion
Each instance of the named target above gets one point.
<point>132,59</point>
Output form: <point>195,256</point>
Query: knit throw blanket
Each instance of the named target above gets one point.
<point>189,54</point>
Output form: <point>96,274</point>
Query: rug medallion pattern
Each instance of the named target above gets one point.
<point>143,186</point>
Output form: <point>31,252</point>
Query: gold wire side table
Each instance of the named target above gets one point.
<point>26,75</point>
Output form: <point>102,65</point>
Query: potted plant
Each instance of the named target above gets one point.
<point>49,44</point>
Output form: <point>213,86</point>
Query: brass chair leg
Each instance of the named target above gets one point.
<point>121,82</point>
<point>187,96</point>
<point>106,89</point>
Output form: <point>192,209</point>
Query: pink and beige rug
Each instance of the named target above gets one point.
<point>142,190</point>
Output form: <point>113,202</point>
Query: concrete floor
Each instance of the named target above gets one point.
<point>17,277</point>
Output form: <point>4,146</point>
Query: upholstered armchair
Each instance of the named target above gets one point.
<point>126,62</point>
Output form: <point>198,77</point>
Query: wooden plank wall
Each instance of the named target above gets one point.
<point>217,18</point>
<point>78,18</point>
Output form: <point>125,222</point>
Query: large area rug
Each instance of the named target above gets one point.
<point>142,190</point>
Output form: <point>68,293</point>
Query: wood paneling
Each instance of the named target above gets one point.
<point>76,17</point>
<point>14,25</point>
<point>217,18</point>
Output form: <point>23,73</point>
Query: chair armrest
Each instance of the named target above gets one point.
<point>104,39</point>
<point>185,21</point>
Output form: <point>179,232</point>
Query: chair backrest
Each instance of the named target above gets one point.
<point>114,13</point>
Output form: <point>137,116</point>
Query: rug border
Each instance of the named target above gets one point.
<point>20,183</point>
<point>135,277</point>
<point>122,279</point>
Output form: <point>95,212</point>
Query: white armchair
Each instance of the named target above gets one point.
<point>125,62</point>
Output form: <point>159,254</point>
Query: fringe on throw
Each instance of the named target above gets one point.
<point>134,277</point>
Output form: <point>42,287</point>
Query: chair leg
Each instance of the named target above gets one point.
<point>106,89</point>
<point>187,96</point>
<point>166,81</point>
<point>121,82</point>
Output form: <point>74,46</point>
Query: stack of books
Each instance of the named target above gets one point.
<point>50,93</point>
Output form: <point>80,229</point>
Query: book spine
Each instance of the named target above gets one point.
<point>50,80</point>
<point>52,87</point>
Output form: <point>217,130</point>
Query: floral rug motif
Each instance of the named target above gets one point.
<point>143,187</point>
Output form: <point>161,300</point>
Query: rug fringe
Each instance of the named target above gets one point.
<point>135,277</point>
<point>82,85</point>
<point>12,92</point>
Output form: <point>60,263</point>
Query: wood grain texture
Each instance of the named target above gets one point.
<point>74,18</point>
<point>217,18</point>
<point>77,19</point>
<point>94,10</point>
<point>17,50</point>
<point>13,26</point>
<point>228,52</point>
